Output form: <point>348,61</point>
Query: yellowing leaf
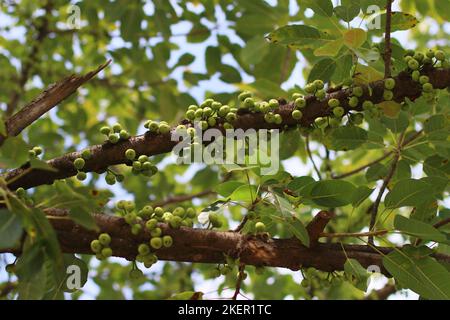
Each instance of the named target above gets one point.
<point>354,38</point>
<point>329,49</point>
<point>390,108</point>
<point>365,74</point>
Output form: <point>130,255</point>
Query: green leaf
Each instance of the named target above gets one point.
<point>34,288</point>
<point>332,193</point>
<point>10,229</point>
<point>298,229</point>
<point>399,21</point>
<point>437,166</point>
<point>357,274</point>
<point>295,35</point>
<point>408,192</point>
<point>13,153</point>
<point>419,229</point>
<point>289,143</point>
<point>185,59</point>
<point>376,172</point>
<point>229,74</point>
<point>347,13</point>
<point>2,127</point>
<point>83,217</point>
<point>323,70</point>
<point>360,194</point>
<point>255,50</point>
<point>245,193</point>
<point>425,276</point>
<point>284,207</point>
<point>348,138</point>
<point>198,33</point>
<point>397,124</point>
<point>299,183</point>
<point>212,59</point>
<point>227,188</point>
<point>321,7</point>
<point>330,49</point>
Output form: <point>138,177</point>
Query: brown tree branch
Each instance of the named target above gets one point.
<point>317,225</point>
<point>208,246</point>
<point>357,170</point>
<point>152,144</point>
<point>48,99</point>
<point>376,204</point>
<point>239,281</point>
<point>383,293</point>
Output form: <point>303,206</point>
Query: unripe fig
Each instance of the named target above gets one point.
<point>156,243</point>
<point>297,114</point>
<point>300,103</point>
<point>86,154</point>
<point>273,103</point>
<point>167,241</point>
<point>389,84</point>
<point>260,227</point>
<point>79,163</point>
<point>96,246</point>
<point>105,239</point>
<point>130,154</point>
<point>106,252</point>
<point>81,175</point>
<point>333,103</point>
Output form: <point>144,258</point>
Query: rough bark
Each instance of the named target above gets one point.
<point>208,246</point>
<point>109,154</point>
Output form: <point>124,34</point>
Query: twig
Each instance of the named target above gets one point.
<point>387,40</point>
<point>386,180</point>
<point>240,278</point>
<point>241,224</point>
<point>355,171</point>
<point>441,223</point>
<point>317,225</point>
<point>383,293</point>
<point>308,151</point>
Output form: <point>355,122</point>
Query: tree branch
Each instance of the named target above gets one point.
<point>48,99</point>
<point>207,246</point>
<point>317,225</point>
<point>376,204</point>
<point>150,144</point>
<point>357,170</point>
